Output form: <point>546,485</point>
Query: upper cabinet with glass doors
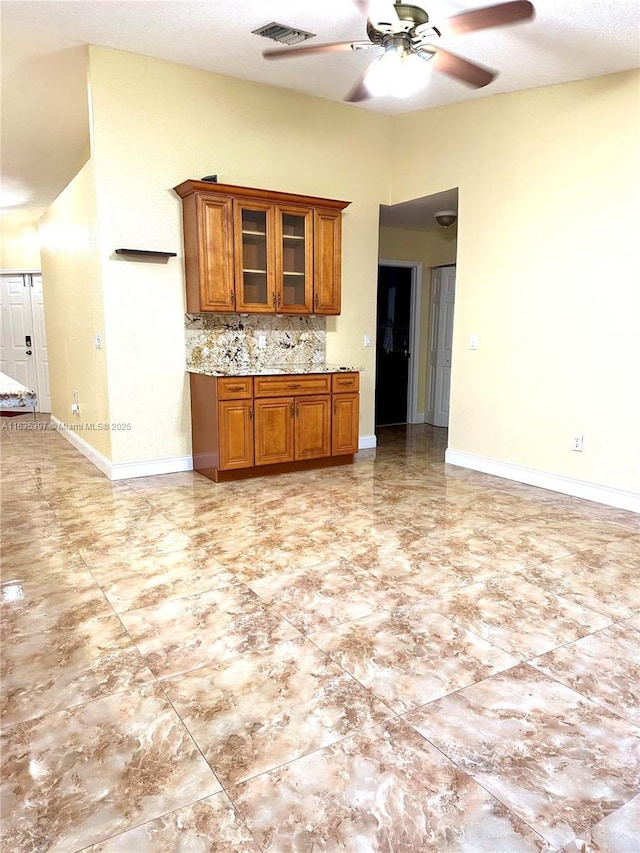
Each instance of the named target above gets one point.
<point>256,251</point>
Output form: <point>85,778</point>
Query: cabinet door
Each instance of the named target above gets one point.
<point>327,261</point>
<point>254,240</point>
<point>213,247</point>
<point>313,427</point>
<point>294,259</point>
<point>235,424</point>
<point>274,430</point>
<point>345,425</point>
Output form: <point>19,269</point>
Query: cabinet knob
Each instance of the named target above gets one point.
<point>317,300</point>
<point>250,413</point>
<point>293,410</point>
<point>294,385</point>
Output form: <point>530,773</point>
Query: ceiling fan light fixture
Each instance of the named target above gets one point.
<point>445,218</point>
<point>398,73</point>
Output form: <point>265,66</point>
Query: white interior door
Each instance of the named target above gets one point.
<point>16,327</point>
<point>443,291</point>
<point>23,341</point>
<point>39,343</point>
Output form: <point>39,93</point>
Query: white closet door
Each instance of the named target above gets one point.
<point>443,291</point>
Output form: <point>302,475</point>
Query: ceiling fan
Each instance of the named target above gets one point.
<point>407,37</point>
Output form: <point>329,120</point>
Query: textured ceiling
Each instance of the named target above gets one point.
<point>42,137</point>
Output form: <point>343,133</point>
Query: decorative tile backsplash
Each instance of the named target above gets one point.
<point>223,341</point>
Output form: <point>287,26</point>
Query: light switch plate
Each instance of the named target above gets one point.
<point>473,342</point>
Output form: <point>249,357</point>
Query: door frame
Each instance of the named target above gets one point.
<point>436,333</point>
<point>414,332</point>
<point>38,368</point>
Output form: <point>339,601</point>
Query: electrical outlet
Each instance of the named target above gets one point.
<point>262,341</point>
<point>367,340</point>
<point>75,408</point>
<point>98,341</point>
<point>473,342</point>
<point>576,443</point>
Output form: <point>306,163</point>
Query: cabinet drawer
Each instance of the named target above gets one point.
<point>345,382</point>
<point>235,387</point>
<point>292,385</point>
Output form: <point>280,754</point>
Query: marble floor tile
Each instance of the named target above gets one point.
<point>185,633</point>
<point>156,536</point>
<point>381,791</point>
<point>602,580</point>
<point>131,585</point>
<point>556,759</point>
<point>262,555</point>
<point>506,546</point>
<point>616,832</point>
<point>580,534</point>
<point>604,667</point>
<point>411,655</point>
<point>58,602</point>
<point>634,622</point>
<point>326,595</point>
<point>79,776</point>
<point>209,826</point>
<point>518,616</point>
<point>397,585</point>
<point>52,670</point>
<point>260,710</point>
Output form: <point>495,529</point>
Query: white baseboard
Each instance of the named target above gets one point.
<point>83,446</point>
<point>420,416</point>
<point>123,470</point>
<point>545,480</point>
<point>366,442</point>
<point>129,470</point>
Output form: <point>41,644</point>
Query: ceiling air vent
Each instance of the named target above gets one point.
<point>283,34</point>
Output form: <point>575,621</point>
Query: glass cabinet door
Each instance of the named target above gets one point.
<point>294,260</point>
<point>254,243</point>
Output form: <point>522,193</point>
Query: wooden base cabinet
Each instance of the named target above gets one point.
<point>235,420</point>
<point>248,426</point>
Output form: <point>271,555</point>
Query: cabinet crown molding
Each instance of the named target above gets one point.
<point>186,188</point>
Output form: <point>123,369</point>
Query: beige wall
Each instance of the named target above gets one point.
<point>547,251</point>
<point>432,249</point>
<point>548,271</point>
<point>156,124</point>
<point>19,240</point>
<point>74,310</point>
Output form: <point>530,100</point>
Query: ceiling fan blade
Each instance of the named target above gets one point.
<point>359,92</point>
<point>308,50</point>
<point>461,69</point>
<point>489,16</point>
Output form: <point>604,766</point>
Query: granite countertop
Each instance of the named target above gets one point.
<point>275,369</point>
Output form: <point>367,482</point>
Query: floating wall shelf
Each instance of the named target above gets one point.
<point>148,253</point>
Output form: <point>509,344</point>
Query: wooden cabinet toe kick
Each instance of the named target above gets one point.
<point>219,476</point>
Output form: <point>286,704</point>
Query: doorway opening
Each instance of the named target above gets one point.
<point>397,328</point>
<point>23,338</point>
